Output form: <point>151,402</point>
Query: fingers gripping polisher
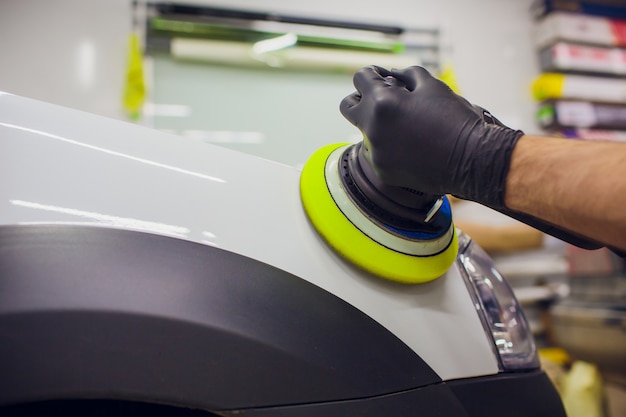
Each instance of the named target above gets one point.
<point>396,233</point>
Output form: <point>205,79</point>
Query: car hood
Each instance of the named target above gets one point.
<point>59,165</point>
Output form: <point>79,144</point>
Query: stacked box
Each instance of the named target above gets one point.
<point>606,8</point>
<point>581,92</point>
<point>561,114</point>
<point>584,59</point>
<point>579,28</point>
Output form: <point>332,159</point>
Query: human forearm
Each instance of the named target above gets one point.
<point>580,186</point>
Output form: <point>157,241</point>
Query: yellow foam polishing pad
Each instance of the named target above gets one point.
<point>354,245</point>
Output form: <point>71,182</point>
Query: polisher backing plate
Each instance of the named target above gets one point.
<point>351,243</point>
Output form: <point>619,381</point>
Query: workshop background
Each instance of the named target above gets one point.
<point>545,67</point>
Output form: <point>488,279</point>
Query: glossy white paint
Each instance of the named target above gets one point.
<point>63,166</point>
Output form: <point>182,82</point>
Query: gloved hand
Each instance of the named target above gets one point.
<point>421,135</point>
<point>417,133</point>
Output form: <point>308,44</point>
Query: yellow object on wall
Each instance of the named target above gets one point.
<point>548,85</point>
<point>135,86</point>
<point>448,76</point>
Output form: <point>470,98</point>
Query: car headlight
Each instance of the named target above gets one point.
<point>498,308</point>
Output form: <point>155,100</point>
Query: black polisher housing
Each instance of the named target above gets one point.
<point>399,208</point>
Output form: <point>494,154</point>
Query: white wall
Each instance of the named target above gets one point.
<point>73,52</point>
<point>70,52</point>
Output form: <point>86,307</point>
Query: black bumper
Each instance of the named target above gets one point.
<point>514,395</point>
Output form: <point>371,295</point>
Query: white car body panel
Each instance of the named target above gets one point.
<point>59,165</point>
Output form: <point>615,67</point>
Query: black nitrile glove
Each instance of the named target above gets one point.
<point>421,135</point>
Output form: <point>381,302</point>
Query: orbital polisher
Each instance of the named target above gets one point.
<point>394,232</point>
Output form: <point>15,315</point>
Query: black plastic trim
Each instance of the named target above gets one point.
<point>98,313</point>
<point>99,408</point>
<point>521,394</point>
<point>432,401</point>
<point>511,395</point>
